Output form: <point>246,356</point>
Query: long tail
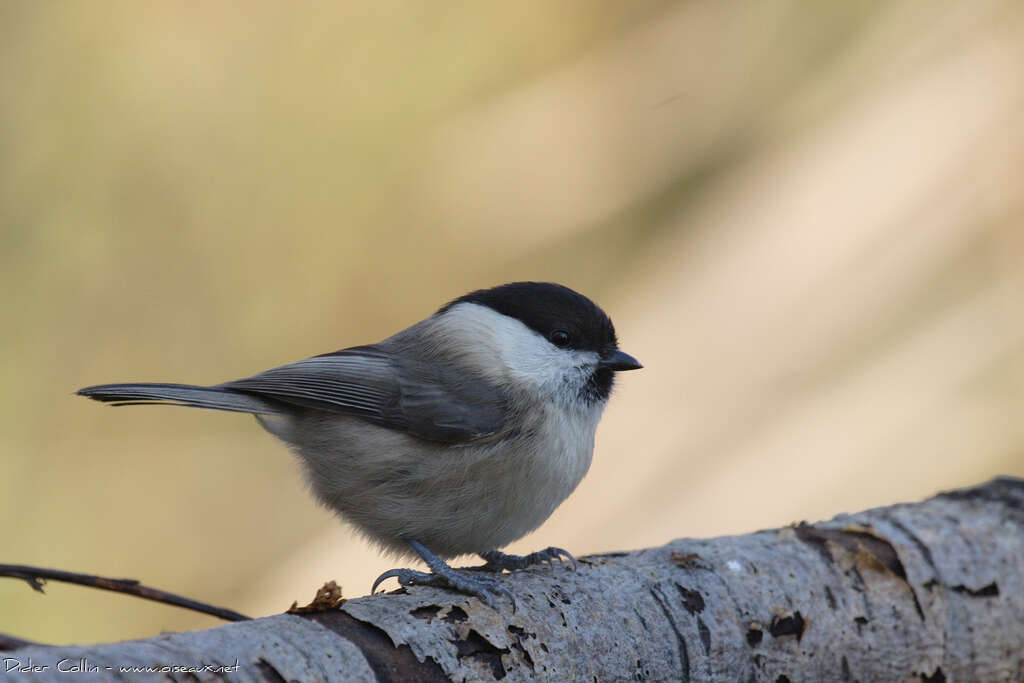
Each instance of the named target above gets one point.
<point>214,398</point>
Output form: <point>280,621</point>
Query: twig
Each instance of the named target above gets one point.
<point>35,577</point>
<point>8,643</point>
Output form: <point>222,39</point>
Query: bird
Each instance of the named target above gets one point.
<point>455,436</point>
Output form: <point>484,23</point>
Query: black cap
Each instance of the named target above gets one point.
<point>562,316</point>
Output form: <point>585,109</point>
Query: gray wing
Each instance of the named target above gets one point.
<point>370,383</point>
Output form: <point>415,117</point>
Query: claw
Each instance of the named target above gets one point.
<point>406,577</point>
<point>499,561</point>
<point>486,588</point>
<point>386,575</point>
<point>563,556</point>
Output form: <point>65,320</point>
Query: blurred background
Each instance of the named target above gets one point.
<point>806,219</point>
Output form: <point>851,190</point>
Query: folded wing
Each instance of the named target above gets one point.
<point>372,384</point>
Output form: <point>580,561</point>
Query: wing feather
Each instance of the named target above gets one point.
<point>371,383</point>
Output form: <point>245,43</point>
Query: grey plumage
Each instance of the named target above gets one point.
<point>155,393</point>
<point>459,434</point>
<point>407,391</point>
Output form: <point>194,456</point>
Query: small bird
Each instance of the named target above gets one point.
<point>457,435</point>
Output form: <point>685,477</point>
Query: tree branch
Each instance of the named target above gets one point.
<point>928,591</point>
<point>37,576</point>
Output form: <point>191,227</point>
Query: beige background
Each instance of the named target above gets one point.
<point>805,219</point>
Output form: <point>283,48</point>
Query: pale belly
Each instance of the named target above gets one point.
<point>454,499</point>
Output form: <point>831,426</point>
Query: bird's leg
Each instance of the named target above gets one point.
<point>497,561</point>
<point>442,575</point>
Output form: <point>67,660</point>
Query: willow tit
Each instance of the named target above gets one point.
<point>457,435</point>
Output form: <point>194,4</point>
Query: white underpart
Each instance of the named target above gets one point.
<point>472,497</point>
<point>545,381</point>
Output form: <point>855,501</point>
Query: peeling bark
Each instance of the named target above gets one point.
<point>925,592</point>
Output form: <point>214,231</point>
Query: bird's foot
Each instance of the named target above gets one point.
<point>484,587</point>
<point>497,561</point>
<point>441,575</point>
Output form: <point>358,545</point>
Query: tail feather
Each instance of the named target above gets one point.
<point>214,398</point>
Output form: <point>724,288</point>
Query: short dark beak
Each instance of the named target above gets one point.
<point>619,360</point>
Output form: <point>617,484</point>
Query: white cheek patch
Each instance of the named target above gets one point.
<point>503,349</point>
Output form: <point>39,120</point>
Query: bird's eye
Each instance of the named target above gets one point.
<point>559,338</point>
